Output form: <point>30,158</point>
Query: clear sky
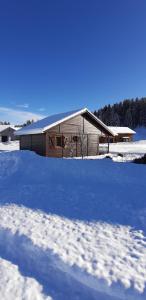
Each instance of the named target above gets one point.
<point>60,55</point>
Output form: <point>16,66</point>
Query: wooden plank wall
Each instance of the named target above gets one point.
<point>35,142</point>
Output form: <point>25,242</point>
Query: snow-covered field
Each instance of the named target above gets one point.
<point>9,146</point>
<point>137,147</point>
<point>71,229</point>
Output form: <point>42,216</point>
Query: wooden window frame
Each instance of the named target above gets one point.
<point>61,137</point>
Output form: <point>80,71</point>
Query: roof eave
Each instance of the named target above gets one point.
<point>17,133</point>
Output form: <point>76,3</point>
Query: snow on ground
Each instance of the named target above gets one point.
<point>99,255</point>
<point>77,227</point>
<point>77,189</point>
<point>14,286</point>
<point>137,147</point>
<point>117,157</point>
<point>9,146</point>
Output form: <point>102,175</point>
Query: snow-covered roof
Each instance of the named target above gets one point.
<point>122,130</point>
<point>4,127</point>
<point>53,120</point>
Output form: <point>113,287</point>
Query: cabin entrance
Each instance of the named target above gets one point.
<point>4,138</point>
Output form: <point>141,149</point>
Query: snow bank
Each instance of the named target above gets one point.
<point>76,189</point>
<point>14,286</point>
<point>75,225</point>
<point>101,256</point>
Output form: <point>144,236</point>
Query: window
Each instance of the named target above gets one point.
<point>60,141</point>
<point>75,138</point>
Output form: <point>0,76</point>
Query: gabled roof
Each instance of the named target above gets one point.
<point>4,127</point>
<point>122,130</point>
<point>47,123</point>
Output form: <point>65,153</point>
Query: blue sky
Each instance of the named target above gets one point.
<point>60,55</point>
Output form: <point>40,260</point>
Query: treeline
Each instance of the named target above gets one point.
<point>4,123</point>
<point>130,112</point>
<point>28,122</point>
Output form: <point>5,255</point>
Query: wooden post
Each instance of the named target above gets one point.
<point>87,144</point>
<point>61,141</point>
<point>97,144</point>
<point>76,147</point>
<point>82,146</point>
<point>47,137</point>
<point>108,144</point>
<point>31,142</point>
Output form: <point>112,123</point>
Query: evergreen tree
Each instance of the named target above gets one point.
<point>130,112</point>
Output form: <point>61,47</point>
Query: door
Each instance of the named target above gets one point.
<point>4,138</point>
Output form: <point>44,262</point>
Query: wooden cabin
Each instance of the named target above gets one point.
<point>122,134</point>
<point>7,133</point>
<point>68,134</point>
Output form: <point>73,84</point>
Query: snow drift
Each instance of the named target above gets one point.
<point>14,286</point>
<point>76,189</point>
<point>76,226</point>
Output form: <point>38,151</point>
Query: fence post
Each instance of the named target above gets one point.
<point>87,144</point>
<point>62,145</point>
<point>108,145</point>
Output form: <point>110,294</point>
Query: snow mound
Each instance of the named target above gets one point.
<point>14,286</point>
<point>99,255</point>
<point>77,227</point>
<point>88,190</point>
